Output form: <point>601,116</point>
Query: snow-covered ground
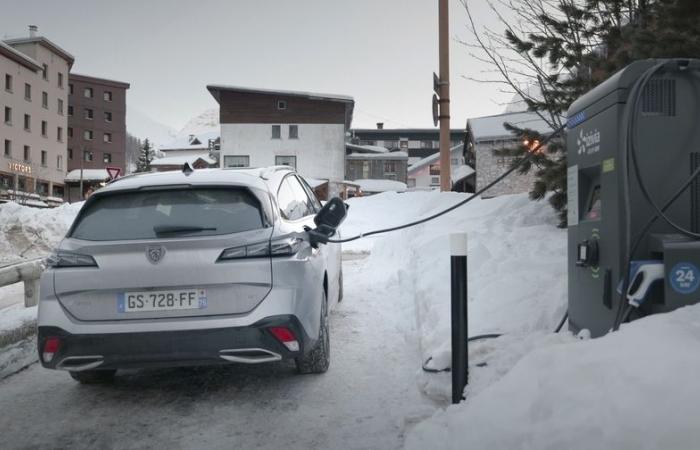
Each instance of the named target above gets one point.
<point>529,389</point>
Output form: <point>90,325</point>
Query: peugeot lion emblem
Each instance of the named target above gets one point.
<point>155,254</point>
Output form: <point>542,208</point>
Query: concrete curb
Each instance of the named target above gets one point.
<point>18,356</point>
<point>17,348</point>
<point>9,337</point>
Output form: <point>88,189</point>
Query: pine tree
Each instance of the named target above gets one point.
<point>143,164</point>
<point>567,47</point>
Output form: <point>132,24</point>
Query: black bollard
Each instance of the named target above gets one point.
<point>460,350</point>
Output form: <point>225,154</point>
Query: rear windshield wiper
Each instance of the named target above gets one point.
<point>165,229</point>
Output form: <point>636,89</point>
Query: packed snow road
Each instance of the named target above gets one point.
<point>368,399</point>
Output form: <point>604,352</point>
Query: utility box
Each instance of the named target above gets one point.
<point>667,147</point>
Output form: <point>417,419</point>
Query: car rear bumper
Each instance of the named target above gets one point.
<point>248,344</point>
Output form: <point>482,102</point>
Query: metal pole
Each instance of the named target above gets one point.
<point>82,163</point>
<point>460,349</point>
<point>444,116</point>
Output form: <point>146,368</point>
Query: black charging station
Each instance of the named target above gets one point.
<point>637,125</point>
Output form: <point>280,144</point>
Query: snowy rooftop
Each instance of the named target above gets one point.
<point>194,142</point>
<point>454,151</point>
<point>381,185</point>
<point>460,172</point>
<point>315,182</point>
<point>492,127</point>
<point>88,175</point>
<point>365,148</point>
<point>388,155</point>
<point>181,160</point>
<point>216,88</point>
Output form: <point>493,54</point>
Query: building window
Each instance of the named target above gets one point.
<point>27,153</point>
<point>70,132</point>
<point>59,134</point>
<point>281,105</point>
<point>276,132</point>
<point>8,147</point>
<point>27,91</point>
<point>44,128</point>
<point>107,95</point>
<point>70,89</point>
<point>89,114</point>
<point>43,158</point>
<point>87,135</point>
<point>8,82</point>
<point>70,153</point>
<point>8,115</point>
<point>425,144</point>
<point>45,71</point>
<point>106,158</point>
<point>59,162</point>
<point>435,169</point>
<point>70,110</point>
<point>60,106</point>
<point>45,100</point>
<point>435,181</point>
<point>60,80</point>
<point>27,122</point>
<point>403,144</point>
<point>87,92</point>
<point>391,144</point>
<point>389,167</point>
<point>290,161</point>
<point>107,137</point>
<point>87,156</point>
<point>108,116</point>
<point>236,161</point>
<point>294,132</point>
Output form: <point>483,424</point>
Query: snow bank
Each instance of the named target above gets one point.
<point>517,265</point>
<point>635,389</point>
<point>32,232</point>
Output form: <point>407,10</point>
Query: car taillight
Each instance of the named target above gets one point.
<point>51,346</point>
<point>277,247</point>
<point>69,259</point>
<point>286,337</point>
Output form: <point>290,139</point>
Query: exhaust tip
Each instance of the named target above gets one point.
<point>79,363</point>
<point>249,355</point>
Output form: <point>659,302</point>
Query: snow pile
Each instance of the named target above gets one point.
<point>517,264</point>
<point>635,389</point>
<point>27,233</point>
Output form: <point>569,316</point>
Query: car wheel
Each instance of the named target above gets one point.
<point>93,376</point>
<point>319,358</point>
<point>340,286</point>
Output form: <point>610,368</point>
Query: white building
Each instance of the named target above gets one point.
<point>304,130</point>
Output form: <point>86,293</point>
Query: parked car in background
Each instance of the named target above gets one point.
<point>190,268</point>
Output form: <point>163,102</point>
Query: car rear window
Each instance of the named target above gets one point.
<point>180,212</point>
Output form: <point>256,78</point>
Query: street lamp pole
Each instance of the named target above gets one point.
<point>444,115</point>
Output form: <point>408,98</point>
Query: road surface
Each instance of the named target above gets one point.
<point>367,400</point>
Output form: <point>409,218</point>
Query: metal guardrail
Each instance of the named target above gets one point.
<point>28,272</point>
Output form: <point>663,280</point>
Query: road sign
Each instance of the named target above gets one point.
<point>113,172</point>
<point>436,109</point>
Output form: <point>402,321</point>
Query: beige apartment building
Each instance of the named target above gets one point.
<point>34,125</point>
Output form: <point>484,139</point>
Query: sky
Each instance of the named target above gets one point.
<point>381,52</point>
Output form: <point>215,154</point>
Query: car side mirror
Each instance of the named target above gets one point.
<point>329,218</point>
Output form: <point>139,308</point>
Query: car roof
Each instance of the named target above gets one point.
<point>265,179</point>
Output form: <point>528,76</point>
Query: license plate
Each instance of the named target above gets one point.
<point>170,300</point>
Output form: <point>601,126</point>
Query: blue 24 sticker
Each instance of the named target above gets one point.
<point>684,278</point>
